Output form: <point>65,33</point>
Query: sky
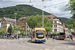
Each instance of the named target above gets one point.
<point>56,7</point>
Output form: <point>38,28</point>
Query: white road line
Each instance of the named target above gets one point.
<point>41,49</point>
<point>8,42</point>
<point>47,49</point>
<point>3,46</point>
<point>54,49</point>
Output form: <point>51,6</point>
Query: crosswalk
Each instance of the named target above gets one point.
<point>47,49</point>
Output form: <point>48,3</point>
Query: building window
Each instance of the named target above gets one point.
<point>55,25</point>
<point>48,17</point>
<point>22,26</point>
<point>54,18</point>
<point>55,21</point>
<point>55,30</point>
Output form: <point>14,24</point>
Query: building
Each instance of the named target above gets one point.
<point>5,23</point>
<point>21,22</point>
<point>58,24</point>
<point>0,23</point>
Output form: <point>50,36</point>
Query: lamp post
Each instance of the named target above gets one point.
<point>15,18</point>
<point>15,24</point>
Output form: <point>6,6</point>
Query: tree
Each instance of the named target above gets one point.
<point>10,29</point>
<point>22,32</point>
<point>48,25</point>
<point>21,10</point>
<point>71,6</point>
<point>17,28</point>
<point>36,21</point>
<point>2,32</point>
<point>70,26</point>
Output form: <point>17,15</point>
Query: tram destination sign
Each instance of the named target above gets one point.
<point>40,31</point>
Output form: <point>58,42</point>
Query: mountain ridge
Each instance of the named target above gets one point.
<point>21,10</point>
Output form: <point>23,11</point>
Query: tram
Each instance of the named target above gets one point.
<point>60,35</point>
<point>38,35</point>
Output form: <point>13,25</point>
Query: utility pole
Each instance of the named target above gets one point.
<point>15,24</point>
<point>26,28</point>
<point>42,15</point>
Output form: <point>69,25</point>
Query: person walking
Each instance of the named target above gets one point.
<point>71,36</point>
<point>53,38</point>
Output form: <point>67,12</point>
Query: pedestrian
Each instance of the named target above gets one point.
<point>53,38</point>
<point>18,37</point>
<point>71,36</point>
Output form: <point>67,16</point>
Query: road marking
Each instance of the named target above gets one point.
<point>3,46</point>
<point>47,49</point>
<point>8,42</point>
<point>54,49</point>
<point>41,49</point>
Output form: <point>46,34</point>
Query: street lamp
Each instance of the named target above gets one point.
<point>15,18</point>
<point>15,23</point>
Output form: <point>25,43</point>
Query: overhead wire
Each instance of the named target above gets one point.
<point>24,2</point>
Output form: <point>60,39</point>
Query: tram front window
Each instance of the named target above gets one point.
<point>62,33</point>
<point>40,34</point>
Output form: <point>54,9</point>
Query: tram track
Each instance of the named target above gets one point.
<point>25,44</point>
<point>36,46</point>
<point>40,45</point>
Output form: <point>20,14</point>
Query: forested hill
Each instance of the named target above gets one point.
<point>64,19</point>
<point>21,10</point>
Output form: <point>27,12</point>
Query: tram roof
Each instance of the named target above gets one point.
<point>38,29</point>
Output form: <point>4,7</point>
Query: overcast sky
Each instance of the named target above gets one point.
<point>56,7</point>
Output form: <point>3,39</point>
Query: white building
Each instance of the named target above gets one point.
<point>58,24</point>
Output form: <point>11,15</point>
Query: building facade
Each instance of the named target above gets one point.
<point>0,24</point>
<point>5,23</point>
<point>21,22</point>
<point>58,24</point>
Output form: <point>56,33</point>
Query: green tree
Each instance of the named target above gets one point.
<point>10,29</point>
<point>22,32</point>
<point>2,32</point>
<point>21,10</point>
<point>69,22</point>
<point>36,21</point>
<point>71,6</point>
<point>17,28</point>
<point>70,26</point>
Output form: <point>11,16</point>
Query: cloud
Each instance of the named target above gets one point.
<point>56,7</point>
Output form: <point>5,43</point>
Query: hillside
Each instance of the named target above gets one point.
<point>64,19</point>
<point>21,10</point>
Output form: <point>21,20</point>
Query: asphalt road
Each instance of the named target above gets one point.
<point>26,44</point>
